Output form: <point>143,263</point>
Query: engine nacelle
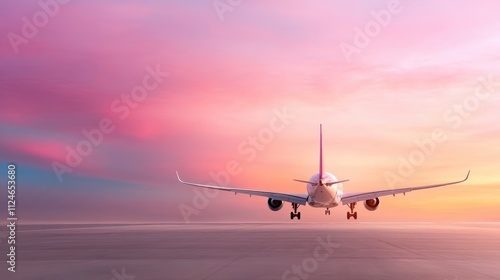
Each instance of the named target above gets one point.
<point>372,204</point>
<point>274,204</point>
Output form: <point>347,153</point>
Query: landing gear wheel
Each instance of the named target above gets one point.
<point>352,213</point>
<point>327,211</point>
<point>294,214</point>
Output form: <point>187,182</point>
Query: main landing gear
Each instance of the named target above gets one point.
<point>352,213</point>
<point>327,211</point>
<point>294,214</point>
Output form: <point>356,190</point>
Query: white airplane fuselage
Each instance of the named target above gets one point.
<point>324,194</point>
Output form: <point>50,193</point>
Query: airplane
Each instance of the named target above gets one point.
<point>324,190</point>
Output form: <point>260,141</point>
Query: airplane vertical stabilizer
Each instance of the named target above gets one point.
<point>320,152</point>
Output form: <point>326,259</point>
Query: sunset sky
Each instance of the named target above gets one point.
<point>186,85</point>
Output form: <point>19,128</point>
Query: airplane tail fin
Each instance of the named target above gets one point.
<point>320,151</point>
<point>321,171</point>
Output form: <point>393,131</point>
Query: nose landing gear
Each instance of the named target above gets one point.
<point>327,211</point>
<point>352,213</point>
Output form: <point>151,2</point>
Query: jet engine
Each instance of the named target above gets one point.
<point>372,204</point>
<point>274,204</point>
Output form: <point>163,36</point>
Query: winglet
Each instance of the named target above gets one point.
<point>466,177</point>
<point>178,177</point>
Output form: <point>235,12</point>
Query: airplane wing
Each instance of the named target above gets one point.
<point>293,198</point>
<point>355,197</point>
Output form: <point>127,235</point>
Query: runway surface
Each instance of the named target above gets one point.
<point>257,251</point>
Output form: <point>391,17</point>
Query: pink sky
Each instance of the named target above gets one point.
<point>226,78</point>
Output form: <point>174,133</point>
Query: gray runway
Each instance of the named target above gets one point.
<point>292,251</point>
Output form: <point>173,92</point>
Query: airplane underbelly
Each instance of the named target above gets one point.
<point>331,203</point>
<point>323,197</point>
